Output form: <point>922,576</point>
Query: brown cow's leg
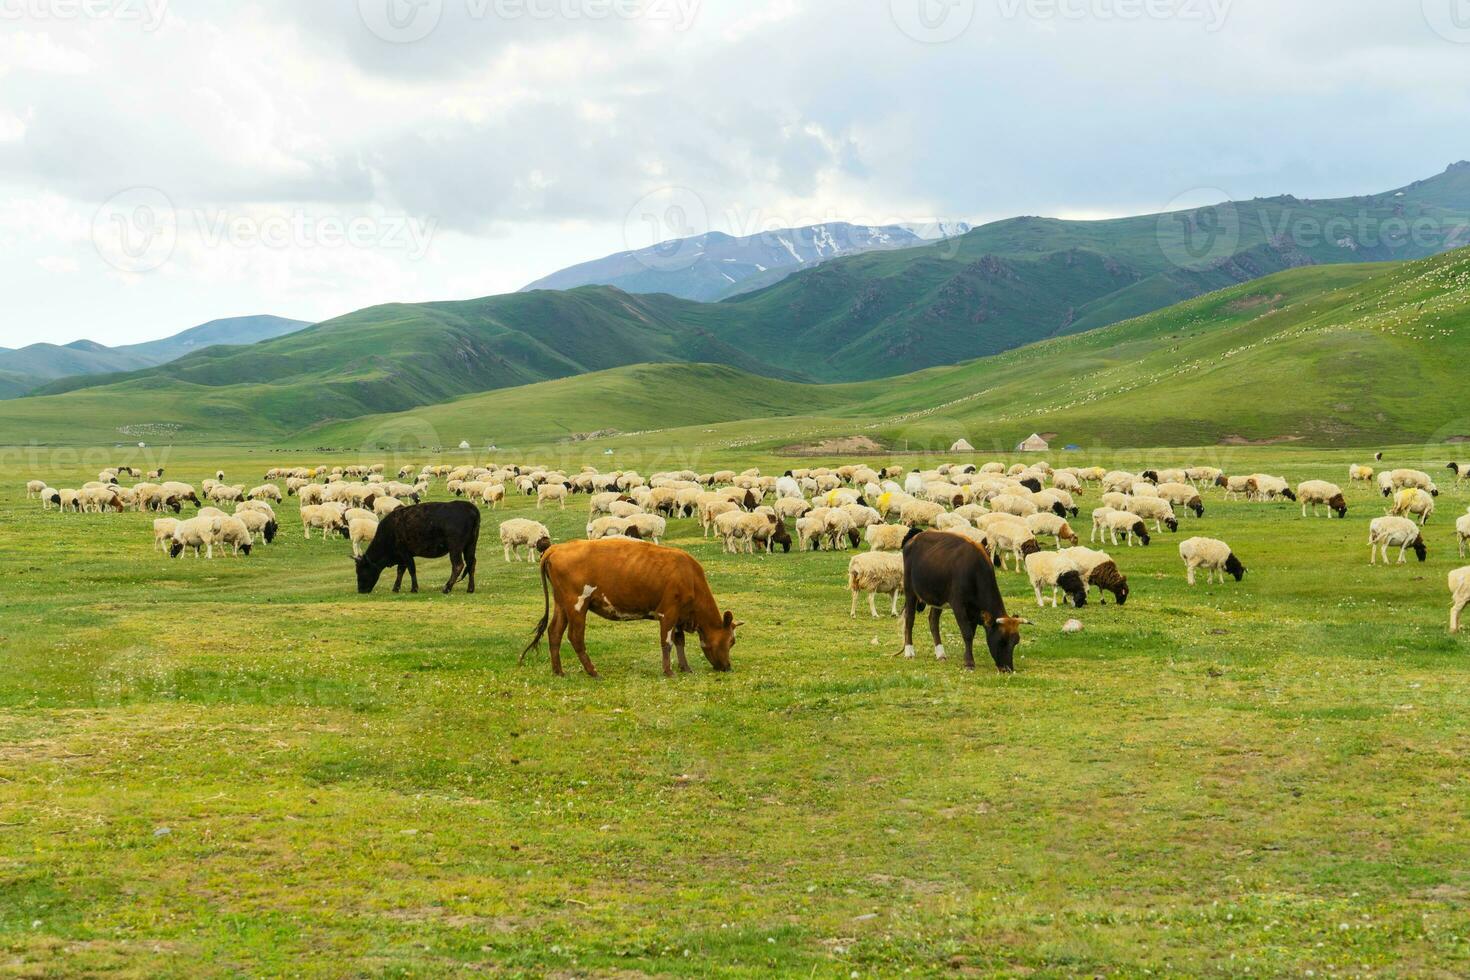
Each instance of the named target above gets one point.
<point>577,633</point>
<point>554,634</point>
<point>665,647</point>
<point>679,648</point>
<point>934,614</point>
<point>967,630</point>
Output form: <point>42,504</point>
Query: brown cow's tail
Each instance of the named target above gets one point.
<point>545,615</point>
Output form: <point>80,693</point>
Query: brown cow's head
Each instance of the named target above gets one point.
<point>1002,636</point>
<point>718,642</point>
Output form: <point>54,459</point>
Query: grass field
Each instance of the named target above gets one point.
<point>243,767</point>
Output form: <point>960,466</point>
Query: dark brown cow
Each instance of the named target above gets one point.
<point>624,581</point>
<point>947,570</point>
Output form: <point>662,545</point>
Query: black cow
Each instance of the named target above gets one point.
<point>946,570</point>
<point>423,531</point>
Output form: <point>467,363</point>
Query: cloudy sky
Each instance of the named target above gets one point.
<point>167,162</point>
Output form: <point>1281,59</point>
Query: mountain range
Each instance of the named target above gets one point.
<point>715,266</point>
<point>29,368</point>
<point>878,314</point>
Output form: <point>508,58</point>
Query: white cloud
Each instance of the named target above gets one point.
<point>525,140</point>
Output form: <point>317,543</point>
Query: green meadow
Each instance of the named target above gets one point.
<point>242,767</point>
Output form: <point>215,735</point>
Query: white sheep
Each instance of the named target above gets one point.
<point>551,492</point>
<point>919,513</point>
<point>1052,526</point>
<point>811,529</point>
<point>1131,526</point>
<point>1386,532</point>
<point>330,519</point>
<point>875,572</point>
<point>1462,532</point>
<point>384,506</point>
<point>1100,571</point>
<point>1321,493</point>
<point>519,533</point>
<point>608,527</point>
<point>196,533</point>
<point>887,537</point>
<point>233,532</point>
<point>1011,537</point>
<point>163,533</point>
<point>34,488</point>
<point>1214,556</point>
<point>266,491</point>
<point>1460,590</point>
<point>1360,474</point>
<point>1048,568</point>
<point>1182,494</point>
<point>1155,509</point>
<point>651,527</point>
<point>259,522</point>
<point>1413,501</point>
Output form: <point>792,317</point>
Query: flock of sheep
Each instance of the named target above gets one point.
<point>1010,511</point>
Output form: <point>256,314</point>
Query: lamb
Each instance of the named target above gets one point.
<point>1184,495</point>
<point>1050,525</point>
<point>554,492</point>
<point>1047,568</point>
<point>1412,500</point>
<point>1215,557</point>
<point>1385,532</point>
<point>330,519</point>
<point>1129,525</point>
<point>163,531</point>
<point>887,537</point>
<point>1099,569</point>
<point>874,572</point>
<point>1462,532</point>
<point>521,533</point>
<point>1460,590</point>
<point>233,532</point>
<point>1154,509</point>
<point>1317,492</point>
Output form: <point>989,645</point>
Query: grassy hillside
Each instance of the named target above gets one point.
<point>1345,354</point>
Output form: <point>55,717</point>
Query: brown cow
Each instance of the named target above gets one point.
<point>625,580</point>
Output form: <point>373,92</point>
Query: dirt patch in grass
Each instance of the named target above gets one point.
<point>1270,441</point>
<point>853,445</point>
<point>1251,302</point>
<point>1458,439</point>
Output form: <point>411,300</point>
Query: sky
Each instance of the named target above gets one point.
<point>168,162</point>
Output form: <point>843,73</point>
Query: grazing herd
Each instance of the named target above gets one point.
<point>938,537</point>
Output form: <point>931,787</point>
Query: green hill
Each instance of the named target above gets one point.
<point>1336,355</point>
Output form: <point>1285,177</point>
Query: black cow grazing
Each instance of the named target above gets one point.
<point>423,531</point>
<point>946,570</point>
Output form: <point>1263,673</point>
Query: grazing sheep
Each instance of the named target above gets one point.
<point>196,533</point>
<point>791,508</point>
<point>1399,479</point>
<point>919,513</point>
<point>1269,488</point>
<point>258,522</point>
<point>610,527</point>
<point>50,498</point>
<point>950,522</point>
<point>886,537</point>
<point>811,529</point>
<point>1360,474</point>
<point>553,492</point>
<point>839,530</point>
<point>1100,522</point>
<point>711,510</point>
<point>1155,509</point>
<point>1461,471</point>
<point>1182,494</point>
<point>521,533</point>
<point>1202,475</point>
<point>1011,537</point>
<point>1237,486</point>
<point>331,520</point>
<point>1460,590</point>
<point>1413,501</point>
<point>651,527</point>
<point>98,499</point>
<point>384,506</point>
<point>163,531</point>
<point>1007,503</point>
<point>1385,532</point>
<point>1129,525</point>
<point>1099,569</point>
<point>1050,525</point>
<point>34,489</point>
<point>233,532</point>
<point>1320,492</point>
<point>1462,532</point>
<point>266,491</point>
<point>875,572</point>
<point>1215,557</point>
<point>1047,568</point>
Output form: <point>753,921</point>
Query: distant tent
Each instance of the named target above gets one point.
<point>464,445</point>
<point>1035,444</point>
<point>963,446</point>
